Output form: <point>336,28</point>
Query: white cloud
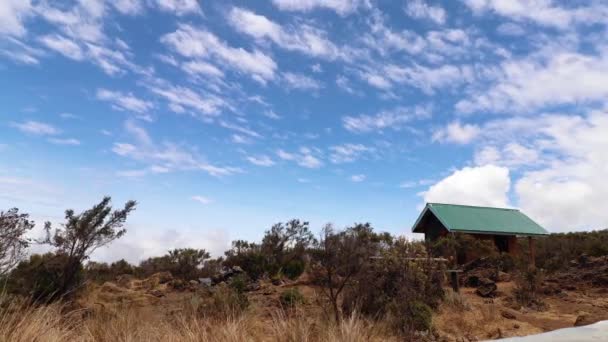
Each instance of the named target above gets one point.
<point>167,156</point>
<point>304,158</point>
<point>485,185</point>
<point>300,81</point>
<point>65,141</point>
<point>68,116</point>
<point>413,184</point>
<point>203,68</point>
<point>347,153</point>
<point>342,7</point>
<point>202,199</point>
<point>510,29</point>
<point>512,155</point>
<point>262,160</point>
<point>141,243</point>
<point>20,52</point>
<point>182,99</point>
<point>560,165</point>
<point>420,9</point>
<point>240,139</point>
<point>357,178</point>
<point>271,114</point>
<point>552,78</point>
<point>392,119</point>
<point>560,192</point>
<point>63,45</point>
<point>543,12</point>
<point>179,7</point>
<point>456,132</point>
<point>124,101</point>
<point>191,42</point>
<point>427,79</point>
<point>303,38</point>
<point>130,7</point>
<point>12,15</point>
<point>240,129</point>
<point>36,128</point>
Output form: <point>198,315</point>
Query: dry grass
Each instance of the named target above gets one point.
<point>19,322</point>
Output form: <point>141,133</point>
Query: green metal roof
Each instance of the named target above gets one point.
<point>480,220</point>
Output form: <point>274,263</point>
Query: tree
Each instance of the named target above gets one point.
<point>13,243</point>
<point>284,243</point>
<point>187,262</point>
<point>82,234</point>
<point>339,256</point>
<point>248,256</point>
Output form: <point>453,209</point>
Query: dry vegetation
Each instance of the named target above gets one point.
<point>348,285</point>
<point>56,322</point>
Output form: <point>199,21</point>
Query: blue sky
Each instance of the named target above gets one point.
<point>221,118</point>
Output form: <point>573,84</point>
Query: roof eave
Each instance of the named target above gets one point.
<point>497,233</point>
<point>428,207</point>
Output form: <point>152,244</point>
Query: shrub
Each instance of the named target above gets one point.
<point>239,283</point>
<point>226,302</point>
<point>420,316</point>
<point>291,297</point>
<point>527,288</point>
<point>40,277</point>
<point>294,268</point>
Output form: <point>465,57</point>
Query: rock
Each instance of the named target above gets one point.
<point>124,280</point>
<point>177,284</point>
<point>254,286</point>
<point>550,289</point>
<point>487,288</point>
<point>157,293</point>
<point>237,269</point>
<point>205,281</point>
<point>508,314</point>
<point>504,277</point>
<point>586,319</point>
<point>515,326</point>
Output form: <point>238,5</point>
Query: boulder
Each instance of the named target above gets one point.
<point>205,281</point>
<point>486,288</point>
<point>163,277</point>
<point>504,277</point>
<point>508,314</point>
<point>157,293</point>
<point>124,280</point>
<point>585,318</point>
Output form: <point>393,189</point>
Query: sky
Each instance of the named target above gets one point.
<point>223,117</point>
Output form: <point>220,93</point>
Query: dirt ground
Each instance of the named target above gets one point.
<point>492,318</point>
<point>469,318</point>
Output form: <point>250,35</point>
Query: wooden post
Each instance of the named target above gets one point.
<point>531,252</point>
<point>455,284</point>
<point>454,280</point>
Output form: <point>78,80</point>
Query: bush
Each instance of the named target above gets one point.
<point>420,317</point>
<point>40,277</point>
<point>225,302</point>
<point>527,288</point>
<point>555,251</point>
<point>291,297</point>
<point>239,283</point>
<point>402,286</point>
<point>294,268</point>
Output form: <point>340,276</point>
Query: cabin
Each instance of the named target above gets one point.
<point>501,225</point>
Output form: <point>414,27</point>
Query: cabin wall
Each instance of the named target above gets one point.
<point>433,229</point>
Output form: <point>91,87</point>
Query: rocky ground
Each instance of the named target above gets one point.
<point>485,308</point>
